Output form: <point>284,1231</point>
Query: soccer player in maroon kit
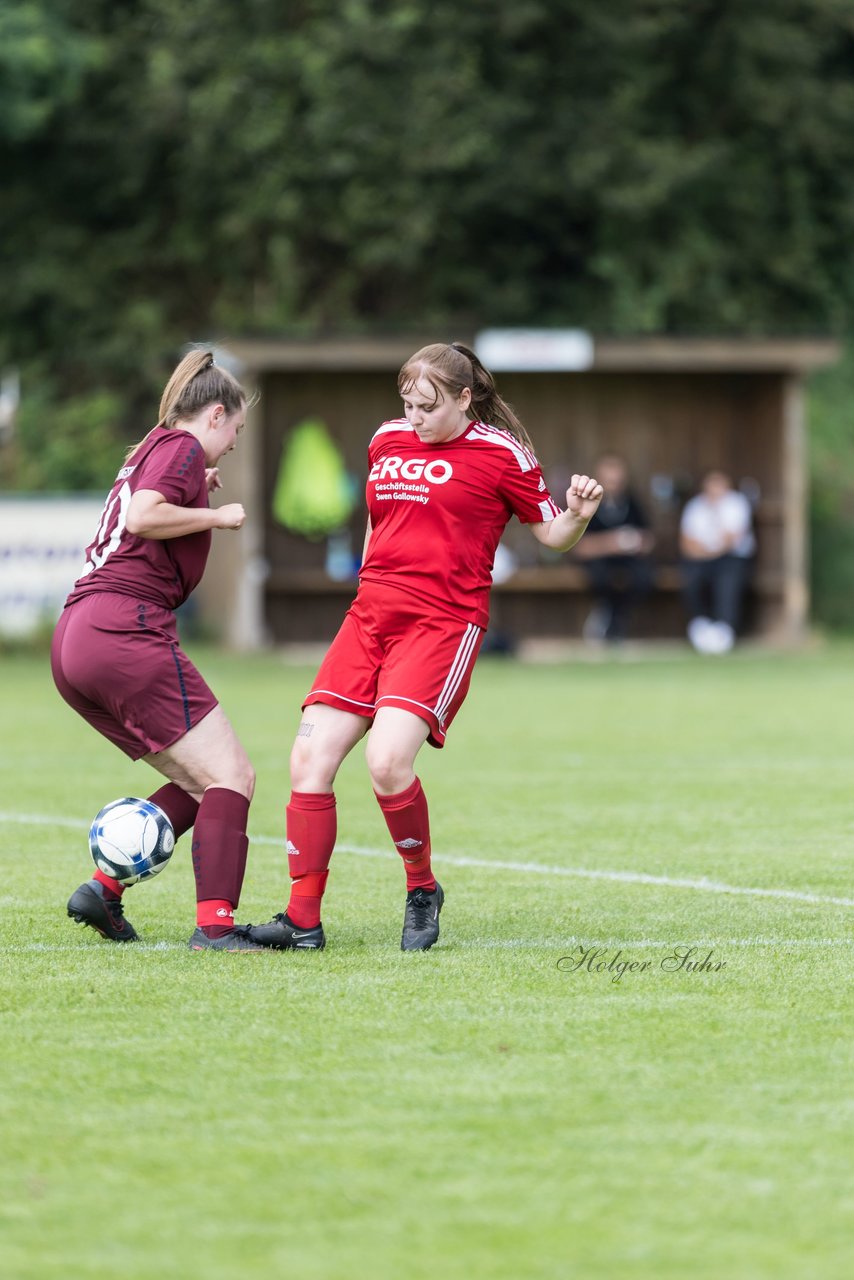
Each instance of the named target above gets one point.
<point>444,482</point>
<point>117,661</point>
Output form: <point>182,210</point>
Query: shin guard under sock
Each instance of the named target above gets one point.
<point>408,822</point>
<point>220,845</point>
<point>312,826</point>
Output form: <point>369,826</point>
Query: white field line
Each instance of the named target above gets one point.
<point>624,877</point>
<point>499,944</point>
<point>702,885</point>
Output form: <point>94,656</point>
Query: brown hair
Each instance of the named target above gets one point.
<point>195,383</point>
<point>450,368</point>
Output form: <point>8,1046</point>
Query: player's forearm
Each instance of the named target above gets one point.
<point>563,532</point>
<point>160,520</point>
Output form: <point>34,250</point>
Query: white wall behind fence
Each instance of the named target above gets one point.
<point>42,540</point>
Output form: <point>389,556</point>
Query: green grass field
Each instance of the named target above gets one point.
<point>480,1110</point>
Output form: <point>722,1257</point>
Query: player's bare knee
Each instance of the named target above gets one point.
<point>300,764</point>
<point>311,769</point>
<point>390,770</point>
<point>244,777</point>
<point>235,775</point>
<point>248,781</point>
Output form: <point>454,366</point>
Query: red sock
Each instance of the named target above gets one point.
<point>312,829</point>
<point>112,888</point>
<point>180,807</point>
<point>220,846</point>
<point>408,821</point>
<point>215,917</point>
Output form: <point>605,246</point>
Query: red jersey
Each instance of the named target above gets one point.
<point>438,511</point>
<point>162,570</point>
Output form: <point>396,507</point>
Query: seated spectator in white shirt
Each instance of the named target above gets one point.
<point>717,545</point>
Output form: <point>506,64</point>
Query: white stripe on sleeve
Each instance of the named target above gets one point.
<point>493,435</point>
<point>397,424</point>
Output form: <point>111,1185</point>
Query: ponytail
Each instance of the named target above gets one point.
<point>453,367</point>
<point>195,383</point>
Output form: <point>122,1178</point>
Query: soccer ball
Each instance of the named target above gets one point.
<point>131,840</point>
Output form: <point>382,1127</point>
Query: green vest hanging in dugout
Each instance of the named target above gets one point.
<point>313,495</point>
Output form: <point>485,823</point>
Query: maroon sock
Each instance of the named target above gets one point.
<point>180,807</point>
<point>312,828</point>
<point>408,822</point>
<point>220,846</point>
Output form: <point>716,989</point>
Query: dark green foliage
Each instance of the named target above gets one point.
<point>67,442</point>
<point>831,410</point>
<point>185,171</point>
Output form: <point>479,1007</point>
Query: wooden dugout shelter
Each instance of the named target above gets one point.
<point>674,408</point>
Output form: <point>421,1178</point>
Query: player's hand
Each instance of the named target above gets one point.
<point>583,497</point>
<point>212,479</point>
<point>231,516</point>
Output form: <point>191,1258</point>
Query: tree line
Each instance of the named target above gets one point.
<point>170,172</point>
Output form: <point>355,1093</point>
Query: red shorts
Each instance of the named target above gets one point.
<point>118,663</point>
<point>388,653</point>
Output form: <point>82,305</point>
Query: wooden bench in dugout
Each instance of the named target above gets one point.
<point>554,600</point>
<point>543,601</point>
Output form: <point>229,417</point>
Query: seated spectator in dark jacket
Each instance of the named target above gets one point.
<point>717,544</point>
<point>615,553</point>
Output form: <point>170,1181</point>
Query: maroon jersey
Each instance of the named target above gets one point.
<point>438,511</point>
<point>162,570</point>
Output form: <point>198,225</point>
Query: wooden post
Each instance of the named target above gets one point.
<point>795,526</point>
<point>232,591</point>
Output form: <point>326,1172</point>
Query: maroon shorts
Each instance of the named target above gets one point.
<point>389,654</point>
<point>118,663</point>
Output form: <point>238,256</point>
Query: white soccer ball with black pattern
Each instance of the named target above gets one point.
<point>131,840</point>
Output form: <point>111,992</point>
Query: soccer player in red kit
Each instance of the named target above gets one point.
<point>117,661</point>
<point>444,481</point>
